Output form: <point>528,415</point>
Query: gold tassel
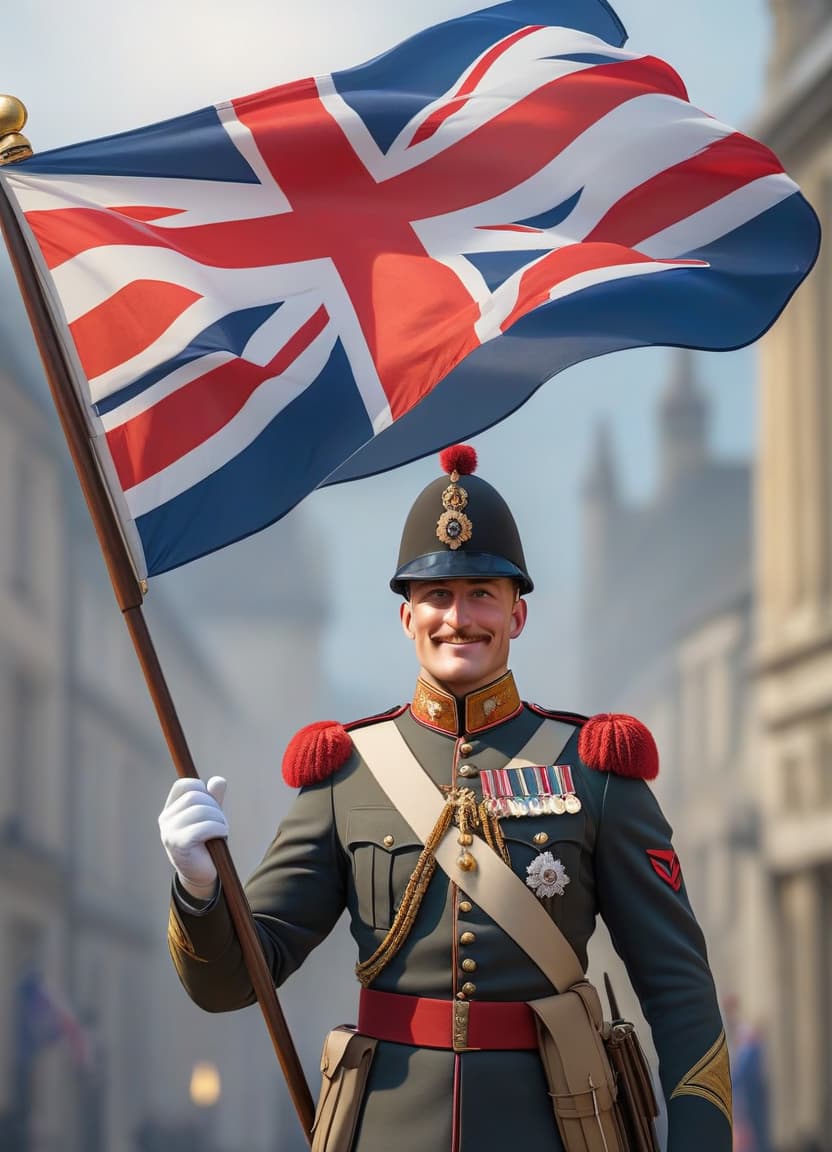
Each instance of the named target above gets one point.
<point>420,877</point>
<point>493,833</point>
<point>462,809</point>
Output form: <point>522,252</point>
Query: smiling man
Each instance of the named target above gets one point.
<point>461,831</point>
<point>462,629</point>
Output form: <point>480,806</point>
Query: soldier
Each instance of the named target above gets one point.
<point>444,985</point>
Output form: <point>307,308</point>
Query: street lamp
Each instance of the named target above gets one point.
<point>206,1086</point>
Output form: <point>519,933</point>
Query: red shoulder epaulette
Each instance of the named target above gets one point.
<point>320,749</point>
<point>612,742</point>
<point>618,743</point>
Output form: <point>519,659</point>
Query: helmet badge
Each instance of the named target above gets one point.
<point>454,528</point>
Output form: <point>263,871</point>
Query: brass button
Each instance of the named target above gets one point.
<point>468,989</point>
<point>469,965</point>
<point>466,749</point>
<point>389,841</point>
<point>468,770</point>
<point>465,905</point>
<point>467,938</point>
<point>541,838</point>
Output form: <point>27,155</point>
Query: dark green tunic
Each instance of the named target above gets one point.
<point>330,853</point>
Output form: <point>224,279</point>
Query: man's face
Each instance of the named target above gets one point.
<point>462,630</point>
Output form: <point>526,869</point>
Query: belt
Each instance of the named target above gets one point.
<point>456,1025</point>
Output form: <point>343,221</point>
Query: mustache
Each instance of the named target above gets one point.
<point>459,637</point>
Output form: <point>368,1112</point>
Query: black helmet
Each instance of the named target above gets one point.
<point>454,531</point>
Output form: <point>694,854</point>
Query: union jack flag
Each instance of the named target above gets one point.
<point>338,275</point>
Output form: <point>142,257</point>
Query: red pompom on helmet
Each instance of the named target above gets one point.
<point>615,742</point>
<point>460,458</point>
<point>315,753</point>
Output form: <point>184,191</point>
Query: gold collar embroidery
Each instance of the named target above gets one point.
<point>481,709</point>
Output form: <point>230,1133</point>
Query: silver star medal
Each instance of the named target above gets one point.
<point>546,876</point>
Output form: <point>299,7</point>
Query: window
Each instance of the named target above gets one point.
<point>825,770</point>
<point>24,513</point>
<point>825,1008</point>
<point>25,719</point>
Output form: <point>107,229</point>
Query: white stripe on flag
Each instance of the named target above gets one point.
<point>504,299</point>
<point>262,346</point>
<point>606,162</point>
<point>270,398</point>
<point>201,201</point>
<point>732,211</point>
<point>522,68</point>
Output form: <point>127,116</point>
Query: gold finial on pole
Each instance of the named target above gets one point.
<point>13,146</point>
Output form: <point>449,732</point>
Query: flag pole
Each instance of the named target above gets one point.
<point>129,595</point>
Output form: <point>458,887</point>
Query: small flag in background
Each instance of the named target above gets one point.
<point>345,273</point>
<point>42,1020</point>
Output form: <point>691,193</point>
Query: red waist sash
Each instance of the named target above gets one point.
<point>458,1025</point>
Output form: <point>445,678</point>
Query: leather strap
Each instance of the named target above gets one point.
<point>493,885</point>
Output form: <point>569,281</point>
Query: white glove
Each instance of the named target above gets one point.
<point>193,814</point>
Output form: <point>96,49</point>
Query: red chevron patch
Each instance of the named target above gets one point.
<point>666,865</point>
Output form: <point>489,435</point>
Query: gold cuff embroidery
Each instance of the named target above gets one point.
<point>710,1078</point>
<point>178,938</point>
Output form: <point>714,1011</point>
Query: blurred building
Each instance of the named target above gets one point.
<point>119,772</point>
<point>34,789</point>
<point>794,564</point>
<point>654,571</point>
<point>83,882</point>
<point>667,636</point>
<point>100,1048</point>
<point>262,611</point>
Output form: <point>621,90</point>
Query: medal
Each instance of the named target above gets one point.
<point>536,790</point>
<point>546,876</point>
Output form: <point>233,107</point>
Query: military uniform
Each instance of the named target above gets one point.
<point>344,845</point>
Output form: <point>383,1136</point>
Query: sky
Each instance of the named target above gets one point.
<point>93,69</point>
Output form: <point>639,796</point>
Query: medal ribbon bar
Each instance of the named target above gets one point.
<point>540,790</point>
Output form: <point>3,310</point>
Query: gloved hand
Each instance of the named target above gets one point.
<point>193,814</point>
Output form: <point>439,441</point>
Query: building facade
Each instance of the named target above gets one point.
<point>261,609</point>
<point>99,1044</point>
<point>34,893</point>
<point>84,770</point>
<point>793,658</point>
<point>667,636</point>
<point>144,1041</point>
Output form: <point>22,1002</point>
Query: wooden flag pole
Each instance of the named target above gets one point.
<point>128,592</point>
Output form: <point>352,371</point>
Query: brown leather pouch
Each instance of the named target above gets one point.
<point>581,1081</point>
<point>598,1076</point>
<point>345,1065</point>
<point>636,1103</point>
